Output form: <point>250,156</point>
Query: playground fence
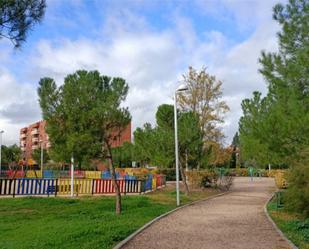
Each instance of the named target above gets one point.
<point>62,186</point>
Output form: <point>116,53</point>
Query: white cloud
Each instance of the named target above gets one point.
<point>151,61</point>
<point>18,106</point>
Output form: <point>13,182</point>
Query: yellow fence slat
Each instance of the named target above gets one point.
<point>92,174</point>
<point>154,183</point>
<point>34,174</point>
<point>81,186</point>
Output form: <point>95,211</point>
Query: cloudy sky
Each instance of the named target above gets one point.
<point>149,43</point>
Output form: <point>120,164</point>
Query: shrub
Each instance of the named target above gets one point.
<point>281,179</point>
<point>297,194</point>
<point>210,178</point>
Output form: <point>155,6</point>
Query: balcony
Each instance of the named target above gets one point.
<point>23,148</point>
<point>24,130</point>
<point>35,140</point>
<point>34,147</point>
<point>48,145</point>
<point>35,132</point>
<point>23,135</point>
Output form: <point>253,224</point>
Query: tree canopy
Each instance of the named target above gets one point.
<point>274,128</point>
<point>17,17</point>
<point>84,116</point>
<point>10,154</point>
<point>204,99</point>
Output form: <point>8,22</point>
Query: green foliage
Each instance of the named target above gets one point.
<point>18,17</point>
<point>123,155</point>
<point>83,115</point>
<point>297,193</point>
<point>10,154</point>
<point>157,145</point>
<point>274,129</point>
<point>235,141</point>
<point>36,155</point>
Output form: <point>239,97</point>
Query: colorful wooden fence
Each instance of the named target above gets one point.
<point>28,186</point>
<point>34,186</point>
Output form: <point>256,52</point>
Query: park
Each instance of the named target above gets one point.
<point>136,124</point>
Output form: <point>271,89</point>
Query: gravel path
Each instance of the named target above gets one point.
<point>234,220</point>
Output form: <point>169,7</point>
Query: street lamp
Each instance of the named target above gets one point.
<point>181,88</point>
<point>42,157</point>
<point>1,132</point>
<point>72,176</point>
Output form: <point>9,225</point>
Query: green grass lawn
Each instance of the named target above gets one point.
<point>292,225</point>
<point>85,222</point>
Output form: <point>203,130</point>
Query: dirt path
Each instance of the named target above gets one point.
<point>234,220</point>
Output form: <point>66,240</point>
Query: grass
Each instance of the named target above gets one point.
<point>292,225</point>
<point>85,222</point>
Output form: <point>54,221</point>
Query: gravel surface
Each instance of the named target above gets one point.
<point>234,220</point>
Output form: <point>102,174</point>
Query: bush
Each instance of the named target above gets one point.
<point>210,178</point>
<point>297,194</point>
<point>170,174</point>
<point>281,179</point>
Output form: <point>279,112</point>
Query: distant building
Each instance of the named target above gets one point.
<point>33,136</point>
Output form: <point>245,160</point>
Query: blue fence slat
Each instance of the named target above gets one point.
<point>106,175</point>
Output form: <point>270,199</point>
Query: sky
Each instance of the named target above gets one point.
<point>151,44</point>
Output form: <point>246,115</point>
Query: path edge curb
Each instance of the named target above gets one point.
<point>275,225</point>
<point>130,237</point>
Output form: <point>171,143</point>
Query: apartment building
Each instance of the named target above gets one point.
<point>34,136</point>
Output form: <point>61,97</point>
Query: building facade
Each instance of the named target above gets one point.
<point>34,136</point>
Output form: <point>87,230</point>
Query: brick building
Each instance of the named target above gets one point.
<point>33,136</point>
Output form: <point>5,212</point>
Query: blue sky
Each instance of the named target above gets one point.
<point>149,43</point>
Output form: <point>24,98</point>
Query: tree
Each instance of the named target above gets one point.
<point>157,145</point>
<point>36,155</point>
<point>10,154</point>
<point>83,117</point>
<point>17,17</point>
<point>123,155</point>
<point>204,98</point>
<point>235,141</point>
<point>276,126</point>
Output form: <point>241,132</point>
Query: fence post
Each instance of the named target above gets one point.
<point>56,187</point>
<point>92,187</point>
<point>14,182</point>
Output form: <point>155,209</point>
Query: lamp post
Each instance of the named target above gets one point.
<point>1,132</point>
<point>72,176</point>
<point>42,157</point>
<point>181,88</point>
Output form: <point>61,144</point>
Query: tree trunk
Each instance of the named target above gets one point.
<point>184,179</point>
<point>114,181</point>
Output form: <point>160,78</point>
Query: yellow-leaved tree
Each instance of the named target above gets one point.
<point>204,97</point>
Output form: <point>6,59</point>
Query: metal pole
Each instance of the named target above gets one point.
<point>72,176</point>
<point>176,151</point>
<point>1,132</point>
<point>42,158</point>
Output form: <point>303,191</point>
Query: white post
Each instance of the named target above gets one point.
<point>269,168</point>
<point>176,151</point>
<point>72,176</point>
<point>1,132</point>
<point>42,158</point>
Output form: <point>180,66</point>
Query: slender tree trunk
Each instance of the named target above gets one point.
<point>114,181</point>
<point>184,179</point>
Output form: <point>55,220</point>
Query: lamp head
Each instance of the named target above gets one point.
<point>182,88</point>
<point>1,132</point>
